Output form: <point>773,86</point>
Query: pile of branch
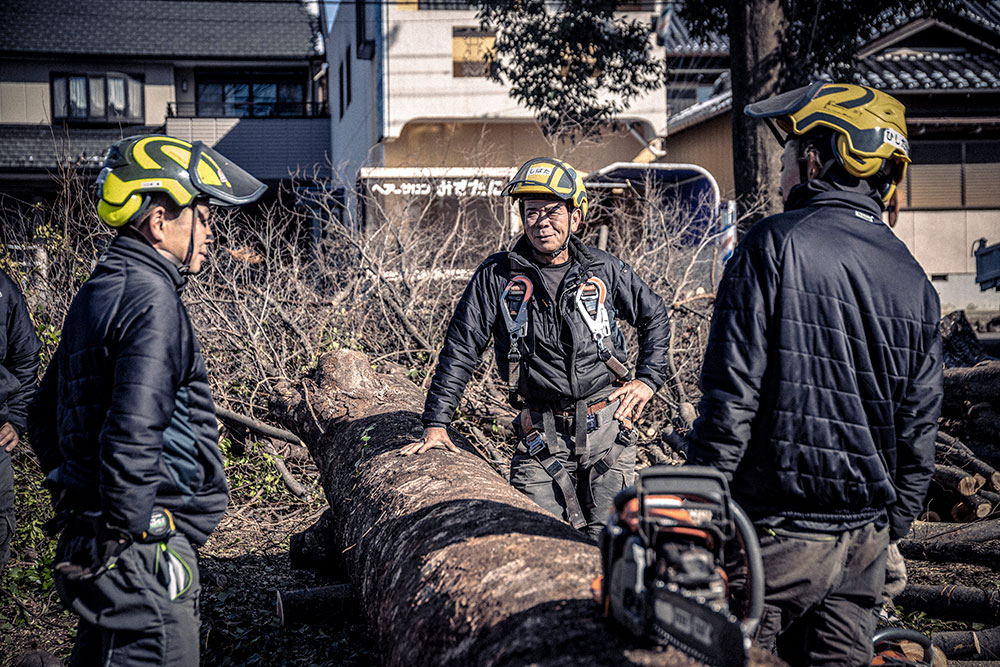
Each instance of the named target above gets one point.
<point>449,563</point>
<point>961,521</point>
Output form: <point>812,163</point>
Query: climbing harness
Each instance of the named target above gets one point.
<point>590,298</point>
<point>515,299</point>
<point>535,444</point>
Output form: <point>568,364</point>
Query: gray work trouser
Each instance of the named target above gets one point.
<point>822,594</point>
<point>6,506</point>
<point>529,477</point>
<point>144,611</point>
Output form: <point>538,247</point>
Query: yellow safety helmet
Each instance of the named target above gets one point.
<point>144,164</point>
<point>869,125</point>
<point>551,177</point>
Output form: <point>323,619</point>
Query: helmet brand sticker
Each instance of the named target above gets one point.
<point>894,138</point>
<point>544,171</point>
<point>222,177</point>
<point>151,184</point>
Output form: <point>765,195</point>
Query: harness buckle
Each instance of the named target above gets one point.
<point>534,443</point>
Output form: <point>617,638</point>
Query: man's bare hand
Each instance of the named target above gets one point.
<point>8,437</point>
<point>435,437</point>
<point>633,395</point>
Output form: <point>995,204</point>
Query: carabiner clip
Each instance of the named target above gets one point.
<point>590,302</point>
<point>517,325</point>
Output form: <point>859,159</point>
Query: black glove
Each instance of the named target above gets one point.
<point>110,546</point>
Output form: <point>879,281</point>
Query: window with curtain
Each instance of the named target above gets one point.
<point>97,98</point>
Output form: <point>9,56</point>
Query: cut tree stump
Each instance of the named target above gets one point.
<point>978,644</point>
<point>977,543</point>
<point>452,566</point>
<point>952,603</point>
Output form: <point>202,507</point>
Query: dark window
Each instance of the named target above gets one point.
<point>249,95</point>
<point>362,13</point>
<point>953,174</point>
<point>340,81</point>
<point>347,74</point>
<point>110,97</point>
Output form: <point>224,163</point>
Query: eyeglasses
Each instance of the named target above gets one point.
<point>532,215</point>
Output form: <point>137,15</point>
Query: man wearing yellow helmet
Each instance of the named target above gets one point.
<point>550,306</point>
<point>123,422</point>
<point>822,378</point>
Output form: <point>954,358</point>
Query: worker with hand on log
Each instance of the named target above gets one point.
<point>551,306</point>
<point>124,424</point>
<point>19,347</point>
<point>822,378</point>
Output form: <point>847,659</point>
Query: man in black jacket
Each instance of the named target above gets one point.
<point>19,348</point>
<point>822,378</point>
<point>124,423</point>
<point>550,305</point>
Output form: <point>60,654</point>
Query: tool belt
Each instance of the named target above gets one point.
<point>584,421</point>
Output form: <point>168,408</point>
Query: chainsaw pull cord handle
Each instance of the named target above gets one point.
<point>755,568</point>
<point>897,634</point>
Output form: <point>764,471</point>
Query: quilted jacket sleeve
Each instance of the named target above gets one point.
<point>916,429</point>
<point>148,370</point>
<point>735,359</point>
<point>640,306</point>
<point>467,337</point>
<point>21,358</point>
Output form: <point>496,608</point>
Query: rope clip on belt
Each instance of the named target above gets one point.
<point>515,312</point>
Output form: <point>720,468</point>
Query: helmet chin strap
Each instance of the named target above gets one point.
<point>185,267</point>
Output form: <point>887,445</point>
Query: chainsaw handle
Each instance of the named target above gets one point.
<point>897,634</point>
<point>755,568</point>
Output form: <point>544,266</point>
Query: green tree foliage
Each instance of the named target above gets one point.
<point>576,67</point>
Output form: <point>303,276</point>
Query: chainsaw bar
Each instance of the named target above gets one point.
<point>709,634</point>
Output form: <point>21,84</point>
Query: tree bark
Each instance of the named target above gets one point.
<point>976,384</point>
<point>977,543</point>
<point>755,47</point>
<point>953,603</point>
<point>952,451</point>
<point>452,566</point>
<point>960,344</point>
<point>307,605</point>
<point>980,644</point>
<point>314,547</point>
<point>971,508</point>
<point>961,482</point>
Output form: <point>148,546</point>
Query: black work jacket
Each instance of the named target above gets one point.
<point>561,364</point>
<point>822,379</point>
<point>124,420</point>
<point>19,348</point>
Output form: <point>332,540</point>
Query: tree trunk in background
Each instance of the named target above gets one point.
<point>755,30</point>
<point>451,565</point>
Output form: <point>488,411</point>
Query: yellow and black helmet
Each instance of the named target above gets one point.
<point>869,125</point>
<point>548,177</point>
<point>144,164</point>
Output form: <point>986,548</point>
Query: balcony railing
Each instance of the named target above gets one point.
<point>247,110</point>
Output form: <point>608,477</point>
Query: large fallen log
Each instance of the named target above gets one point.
<point>977,644</point>
<point>452,565</point>
<point>952,603</point>
<point>959,342</point>
<point>975,384</point>
<point>977,543</point>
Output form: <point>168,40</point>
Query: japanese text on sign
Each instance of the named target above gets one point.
<point>452,187</point>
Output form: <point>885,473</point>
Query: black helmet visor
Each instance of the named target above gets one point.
<point>242,187</point>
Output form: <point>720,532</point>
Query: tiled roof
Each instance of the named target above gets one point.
<point>677,39</point>
<point>45,147</point>
<point>249,29</point>
<point>699,112</point>
<point>930,70</point>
